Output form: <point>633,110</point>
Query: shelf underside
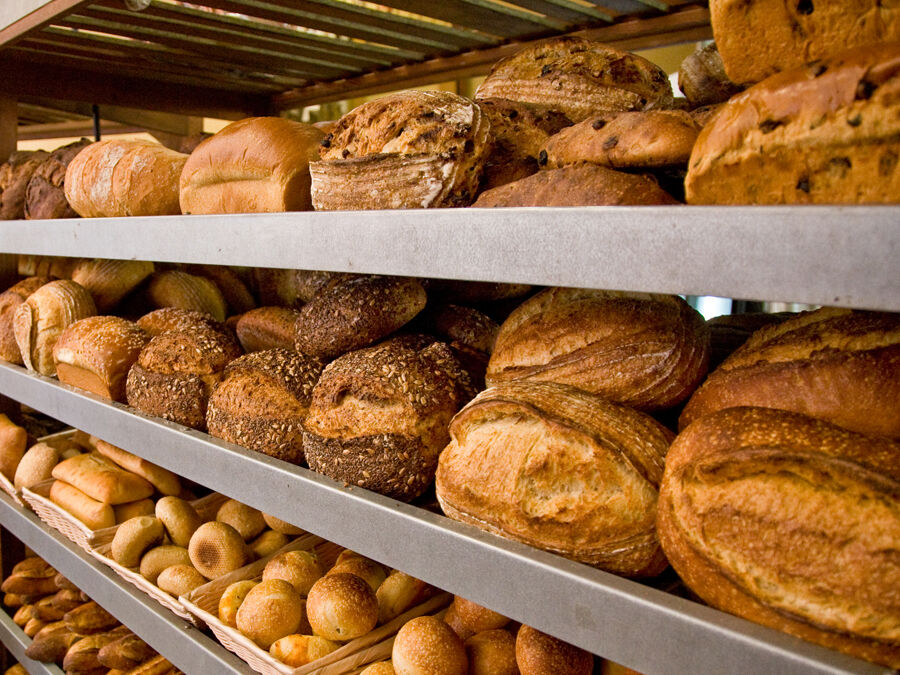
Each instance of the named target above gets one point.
<point>843,256</point>
<point>628,622</point>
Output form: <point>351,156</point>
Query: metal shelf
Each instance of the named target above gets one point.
<point>628,622</point>
<point>762,253</point>
<point>181,643</point>
<point>17,642</point>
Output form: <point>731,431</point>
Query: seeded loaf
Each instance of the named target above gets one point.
<point>412,149</point>
<point>579,78</point>
<point>263,400</point>
<point>173,318</point>
<point>839,365</point>
<point>824,133</point>
<point>378,417</point>
<point>757,39</point>
<point>788,521</point>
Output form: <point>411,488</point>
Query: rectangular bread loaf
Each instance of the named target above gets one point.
<point>101,479</point>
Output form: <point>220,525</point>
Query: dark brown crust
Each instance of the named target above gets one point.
<point>14,177</point>
<point>702,77</point>
<point>464,325</point>
<point>45,195</point>
<point>356,313</point>
<point>267,328</point>
<point>194,350</point>
<point>813,495</point>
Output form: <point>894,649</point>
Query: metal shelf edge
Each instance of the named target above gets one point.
<point>592,609</point>
<point>182,644</point>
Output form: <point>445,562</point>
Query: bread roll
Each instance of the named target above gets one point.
<point>577,185</point>
<point>271,610</point>
<point>559,469</point>
<point>298,650</point>
<point>45,196</point>
<point>476,617</point>
<point>410,149</point>
<point>839,365</point>
<point>179,580</point>
<point>267,543</point>
<point>36,465</point>
<point>179,518</point>
<point>371,572</point>
<point>13,441</point>
<point>492,652</point>
<point>282,526</point>
<point>158,559</point>
<point>174,288</point>
<point>578,77</point>
<point>378,417</point>
<point>257,164</point>
<point>120,177</point>
<point>177,371</point>
<point>96,353</point>
<point>101,479</point>
<point>787,521</point>
<point>166,482</point>
<point>134,537</point>
<point>702,78</point>
<point>267,328</point>
<point>95,514</point>
<point>39,321</point>
<point>341,607</point>
<point>263,400</point>
<point>129,510</point>
<point>301,569</point>
<point>380,668</point>
<point>428,645</point>
<point>398,593</point>
<point>231,600</point>
<point>110,280</point>
<point>538,654</point>
<point>216,549</point>
<point>826,133</point>
<point>644,350</point>
<point>245,519</point>
<point>10,299</point>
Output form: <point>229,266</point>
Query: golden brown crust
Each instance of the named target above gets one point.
<point>165,482</point>
<point>839,365</point>
<point>172,318</point>
<point>824,133</point>
<point>652,139</point>
<point>11,298</point>
<point>758,39</point>
<point>513,452</point>
<point>96,353</point>
<point>341,607</point>
<point>702,78</point>
<point>96,515</point>
<point>785,520</point>
<point>301,569</point>
<point>102,479</point>
<point>267,328</point>
<point>263,400</point>
<point>174,288</point>
<point>356,313</point>
<point>538,653</point>
<point>216,549</point>
<point>492,652</point>
<point>577,185</point>
<point>578,77</point>
<point>411,149</point>
<point>645,350</point>
<point>110,280</point>
<point>428,645</point>
<point>238,298</point>
<point>125,653</point>
<point>257,164</point>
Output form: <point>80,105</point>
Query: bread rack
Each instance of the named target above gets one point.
<point>819,255</point>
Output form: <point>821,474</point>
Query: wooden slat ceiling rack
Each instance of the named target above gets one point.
<point>230,58</point>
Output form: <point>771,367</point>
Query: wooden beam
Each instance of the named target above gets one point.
<point>682,25</point>
<point>9,121</point>
<point>170,123</point>
<point>36,132</point>
<point>42,14</point>
<point>23,78</point>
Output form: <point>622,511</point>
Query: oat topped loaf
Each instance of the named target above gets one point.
<point>578,77</point>
<point>412,149</point>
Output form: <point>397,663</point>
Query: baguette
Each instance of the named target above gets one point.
<point>96,515</point>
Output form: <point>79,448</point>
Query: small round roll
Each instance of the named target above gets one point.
<point>179,518</point>
<point>539,654</point>
<point>478,618</point>
<point>301,569</point>
<point>134,537</point>
<point>342,607</point>
<point>157,559</point>
<point>216,549</point>
<point>267,543</point>
<point>298,650</point>
<point>231,600</point>
<point>271,610</point>
<point>492,652</point>
<point>427,645</point>
<point>180,580</point>
<point>368,570</point>
<point>282,526</point>
<point>245,519</point>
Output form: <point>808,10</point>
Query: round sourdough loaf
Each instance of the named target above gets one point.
<point>839,365</point>
<point>10,299</point>
<point>825,133</point>
<point>177,372</point>
<point>559,469</point>
<point>412,149</point>
<point>263,400</point>
<point>578,77</point>
<point>96,353</point>
<point>645,350</point>
<point>257,164</point>
<point>790,522</point>
<point>378,417</point>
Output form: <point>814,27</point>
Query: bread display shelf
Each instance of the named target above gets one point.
<point>592,609</point>
<point>16,642</point>
<point>182,644</point>
<point>762,253</point>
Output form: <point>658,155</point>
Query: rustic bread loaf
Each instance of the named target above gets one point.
<point>174,288</point>
<point>378,417</point>
<point>110,280</point>
<point>14,176</point>
<point>629,140</point>
<point>824,133</point>
<point>578,77</point>
<point>412,149</point>
<point>839,365</point>
<point>702,77</point>
<point>787,521</point>
<point>177,372</point>
<point>757,39</point>
<point>263,400</point>
<point>10,299</point>
<point>356,313</point>
<point>267,328</point>
<point>257,164</point>
<point>59,267</point>
<point>96,353</point>
<point>39,321</point>
<point>119,177</point>
<point>560,469</point>
<point>647,351</point>
<point>45,195</point>
<point>463,325</point>
<point>577,185</point>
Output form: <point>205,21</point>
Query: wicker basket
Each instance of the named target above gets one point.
<point>7,485</point>
<point>376,645</point>
<point>101,549</point>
